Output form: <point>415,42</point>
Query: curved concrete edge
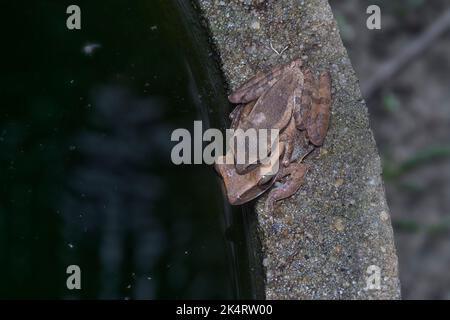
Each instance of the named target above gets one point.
<point>333,239</point>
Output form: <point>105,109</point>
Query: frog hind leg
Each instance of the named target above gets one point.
<point>303,100</point>
<point>319,118</point>
<point>256,86</point>
<point>287,137</point>
<point>295,175</point>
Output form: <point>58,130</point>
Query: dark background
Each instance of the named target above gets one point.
<point>410,117</point>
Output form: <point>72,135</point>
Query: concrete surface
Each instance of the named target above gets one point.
<point>322,242</point>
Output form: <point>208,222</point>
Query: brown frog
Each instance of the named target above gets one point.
<point>291,100</point>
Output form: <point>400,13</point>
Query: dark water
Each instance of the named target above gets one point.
<point>85,170</point>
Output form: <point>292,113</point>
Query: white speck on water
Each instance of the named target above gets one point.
<point>154,28</point>
<point>71,246</point>
<point>90,48</point>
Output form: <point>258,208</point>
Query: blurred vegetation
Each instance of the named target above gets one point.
<point>392,171</point>
<point>412,226</point>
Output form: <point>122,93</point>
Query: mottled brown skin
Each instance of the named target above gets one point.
<point>319,118</point>
<point>290,99</point>
<point>305,100</point>
<point>274,105</point>
<point>294,175</point>
<point>241,188</point>
<point>259,84</point>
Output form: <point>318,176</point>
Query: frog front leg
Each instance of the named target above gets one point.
<point>294,174</point>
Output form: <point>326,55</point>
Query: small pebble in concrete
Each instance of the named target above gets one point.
<point>255,25</point>
<point>339,182</point>
<point>339,225</point>
<point>384,216</point>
